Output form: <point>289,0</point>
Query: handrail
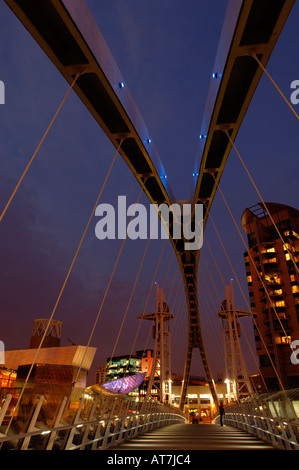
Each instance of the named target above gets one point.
<point>272,418</point>
<point>110,420</point>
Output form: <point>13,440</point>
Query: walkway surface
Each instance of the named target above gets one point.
<point>195,437</point>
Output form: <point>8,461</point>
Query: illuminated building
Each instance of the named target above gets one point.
<point>54,364</point>
<point>101,374</point>
<point>200,406</point>
<point>121,366</point>
<point>125,384</point>
<point>7,377</point>
<point>272,262</point>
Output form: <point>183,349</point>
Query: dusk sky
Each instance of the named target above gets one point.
<point>165,51</point>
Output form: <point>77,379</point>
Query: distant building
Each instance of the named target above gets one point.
<point>101,374</point>
<point>121,366</point>
<point>54,364</point>
<point>269,262</point>
<point>49,332</point>
<point>199,406</point>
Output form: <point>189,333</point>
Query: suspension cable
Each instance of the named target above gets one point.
<point>210,320</point>
<point>108,287</point>
<point>224,286</point>
<point>166,276</point>
<point>216,328</point>
<point>263,202</point>
<point>251,259</point>
<point>130,299</point>
<point>38,147</point>
<point>276,86</point>
<point>64,284</point>
<point>145,306</point>
<point>246,301</point>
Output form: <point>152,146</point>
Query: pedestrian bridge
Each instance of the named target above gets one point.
<point>111,421</point>
<point>86,420</point>
<point>196,437</point>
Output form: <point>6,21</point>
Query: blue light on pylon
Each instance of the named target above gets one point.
<point>202,136</point>
<point>147,141</point>
<point>163,176</point>
<point>195,174</point>
<point>121,85</point>
<point>216,75</point>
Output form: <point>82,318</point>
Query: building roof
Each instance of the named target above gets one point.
<point>249,215</point>
<point>64,355</point>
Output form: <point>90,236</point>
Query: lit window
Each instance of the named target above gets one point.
<point>295,289</point>
<point>270,250</point>
<point>280,303</point>
<point>249,278</point>
<point>278,292</point>
<point>286,339</point>
<point>282,315</point>
<point>288,257</point>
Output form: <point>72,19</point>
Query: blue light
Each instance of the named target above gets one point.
<point>121,85</point>
<point>147,141</point>
<point>163,176</point>
<point>195,174</point>
<point>202,136</point>
<point>216,75</point>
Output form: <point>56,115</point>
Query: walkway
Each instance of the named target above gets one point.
<point>195,437</point>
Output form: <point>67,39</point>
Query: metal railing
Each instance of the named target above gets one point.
<point>273,418</point>
<point>88,422</point>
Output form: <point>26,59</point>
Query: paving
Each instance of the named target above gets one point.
<point>195,437</point>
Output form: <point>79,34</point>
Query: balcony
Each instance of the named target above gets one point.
<point>273,284</point>
<point>279,307</point>
<point>270,261</point>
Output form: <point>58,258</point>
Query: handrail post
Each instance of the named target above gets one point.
<point>31,426</point>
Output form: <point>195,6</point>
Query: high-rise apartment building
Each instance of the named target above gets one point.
<point>272,262</point>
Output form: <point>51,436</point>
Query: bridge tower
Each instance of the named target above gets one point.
<point>160,376</point>
<point>237,379</point>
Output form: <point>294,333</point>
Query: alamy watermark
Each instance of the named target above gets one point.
<point>2,353</point>
<point>295,354</point>
<point>2,92</point>
<point>177,218</point>
<point>295,94</point>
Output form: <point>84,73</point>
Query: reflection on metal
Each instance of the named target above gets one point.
<point>125,384</point>
<point>273,418</point>
<point>68,34</point>
<point>236,375</point>
<point>94,420</point>
<point>160,377</point>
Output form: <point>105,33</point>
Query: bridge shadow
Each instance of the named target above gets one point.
<point>195,437</point>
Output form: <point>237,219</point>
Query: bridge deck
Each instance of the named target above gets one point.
<point>195,437</point>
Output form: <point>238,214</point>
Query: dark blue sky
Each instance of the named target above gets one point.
<point>165,51</point>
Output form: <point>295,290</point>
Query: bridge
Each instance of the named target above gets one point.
<point>70,37</point>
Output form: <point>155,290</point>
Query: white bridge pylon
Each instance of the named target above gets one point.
<point>160,376</point>
<point>237,378</point>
